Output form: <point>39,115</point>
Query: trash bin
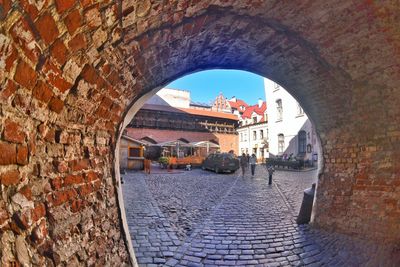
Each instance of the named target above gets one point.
<point>306,205</point>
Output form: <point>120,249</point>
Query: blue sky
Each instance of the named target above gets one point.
<point>204,86</point>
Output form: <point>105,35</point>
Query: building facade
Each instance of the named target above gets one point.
<point>291,133</point>
<point>170,115</point>
<point>253,131</point>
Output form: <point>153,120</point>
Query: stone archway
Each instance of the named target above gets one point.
<point>70,71</point>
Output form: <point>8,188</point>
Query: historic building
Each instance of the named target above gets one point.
<point>170,115</point>
<point>252,127</point>
<point>253,130</point>
<point>291,133</point>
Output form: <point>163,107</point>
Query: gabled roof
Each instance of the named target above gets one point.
<point>255,108</point>
<point>236,104</point>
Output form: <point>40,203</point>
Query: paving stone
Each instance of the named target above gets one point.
<point>206,219</point>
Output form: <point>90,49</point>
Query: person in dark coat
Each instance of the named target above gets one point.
<point>243,163</point>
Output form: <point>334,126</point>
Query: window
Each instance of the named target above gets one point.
<point>255,151</point>
<point>134,151</point>
<point>309,148</point>
<point>261,134</point>
<point>254,135</point>
<point>279,110</point>
<point>302,142</point>
<point>254,119</point>
<point>262,153</point>
<point>300,110</point>
<point>281,143</point>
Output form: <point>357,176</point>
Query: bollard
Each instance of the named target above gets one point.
<point>306,205</point>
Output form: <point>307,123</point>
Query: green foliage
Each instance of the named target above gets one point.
<point>163,160</point>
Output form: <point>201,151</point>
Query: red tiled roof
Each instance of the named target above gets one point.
<point>191,111</point>
<point>236,104</point>
<point>255,108</point>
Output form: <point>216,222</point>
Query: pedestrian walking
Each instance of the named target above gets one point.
<point>271,171</point>
<point>248,158</point>
<point>253,161</point>
<point>243,163</point>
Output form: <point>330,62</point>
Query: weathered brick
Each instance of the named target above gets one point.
<point>93,17</point>
<point>32,9</point>
<point>77,43</point>
<point>23,35</point>
<point>22,219</point>
<point>56,183</point>
<point>8,90</point>
<point>77,205</point>
<point>8,153</point>
<point>60,197</point>
<point>13,132</point>
<point>42,92</point>
<point>91,176</point>
<point>6,6</point>
<point>25,75</point>
<point>38,212</point>
<point>86,3</point>
<point>73,21</point>
<point>61,166</point>
<point>10,177</point>
<point>22,155</point>
<point>96,185</point>
<point>73,180</point>
<point>56,105</point>
<point>59,51</point>
<point>54,77</point>
<point>89,74</point>
<point>85,189</point>
<point>79,165</point>
<point>63,5</point>
<point>48,134</point>
<point>3,213</point>
<point>26,191</point>
<point>47,28</point>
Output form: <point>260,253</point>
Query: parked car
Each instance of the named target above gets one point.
<point>221,162</point>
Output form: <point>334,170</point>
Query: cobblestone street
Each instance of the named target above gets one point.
<point>200,218</point>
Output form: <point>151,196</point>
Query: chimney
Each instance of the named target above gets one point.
<point>260,102</point>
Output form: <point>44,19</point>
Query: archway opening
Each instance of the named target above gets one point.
<point>156,119</point>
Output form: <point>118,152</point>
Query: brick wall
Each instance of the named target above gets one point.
<point>70,69</point>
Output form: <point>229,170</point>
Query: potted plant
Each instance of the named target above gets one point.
<point>163,161</point>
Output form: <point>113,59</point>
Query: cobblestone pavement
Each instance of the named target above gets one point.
<point>208,219</point>
<point>292,184</point>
